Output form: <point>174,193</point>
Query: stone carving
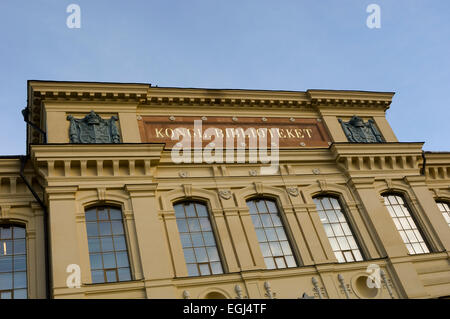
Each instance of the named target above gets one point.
<point>359,132</point>
<point>93,129</point>
<point>293,191</point>
<point>225,194</point>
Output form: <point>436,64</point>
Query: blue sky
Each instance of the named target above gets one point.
<point>245,44</point>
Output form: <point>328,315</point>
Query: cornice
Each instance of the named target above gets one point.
<point>143,95</point>
<point>80,151</point>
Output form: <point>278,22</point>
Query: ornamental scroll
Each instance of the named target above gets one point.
<point>359,132</point>
<point>93,129</point>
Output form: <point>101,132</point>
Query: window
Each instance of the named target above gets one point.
<point>445,209</point>
<point>337,229</point>
<point>405,224</point>
<point>197,239</point>
<point>107,245</point>
<point>13,262</point>
<point>274,244</point>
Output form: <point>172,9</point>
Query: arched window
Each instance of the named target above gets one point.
<point>274,244</point>
<point>13,262</point>
<point>405,224</point>
<point>445,209</point>
<point>107,245</point>
<point>197,238</point>
<point>338,231</point>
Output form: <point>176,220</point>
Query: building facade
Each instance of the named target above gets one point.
<point>106,205</point>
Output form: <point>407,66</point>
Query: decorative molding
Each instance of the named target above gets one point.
<point>343,286</point>
<point>239,294</point>
<point>389,184</point>
<point>101,193</point>
<point>269,294</point>
<point>183,174</point>
<point>316,287</point>
<point>225,194</point>
<point>5,211</point>
<point>258,187</point>
<point>322,185</point>
<point>187,189</point>
<point>293,191</point>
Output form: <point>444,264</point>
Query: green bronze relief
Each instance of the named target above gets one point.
<point>93,129</point>
<point>359,132</point>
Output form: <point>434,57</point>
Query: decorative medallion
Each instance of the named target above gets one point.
<point>182,174</point>
<point>359,132</point>
<point>253,172</point>
<point>225,194</point>
<point>93,129</point>
<point>293,191</point>
<point>172,118</point>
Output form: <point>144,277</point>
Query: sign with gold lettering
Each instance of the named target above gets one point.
<point>290,132</point>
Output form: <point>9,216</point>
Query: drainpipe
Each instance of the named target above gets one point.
<point>23,161</point>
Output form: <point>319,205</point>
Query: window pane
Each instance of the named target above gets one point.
<point>213,254</point>
<point>5,232</point>
<point>20,294</point>
<point>119,243</point>
<point>204,269</point>
<point>405,224</point>
<point>270,263</point>
<point>445,210</point>
<point>20,279</point>
<point>197,238</point>
<point>192,270</point>
<point>92,229</point>
<point>201,210</point>
<point>96,261</point>
<point>111,276</point>
<point>186,240</point>
<point>209,239</point>
<point>189,255</point>
<point>336,228</point>
<point>13,263</point>
<point>19,232</point>
<point>105,228</point>
<point>107,245</point>
<point>97,276</point>
<point>270,233</point>
<point>200,253</point>
<point>216,268</point>
<point>109,260</point>
<point>20,263</point>
<point>6,264</point>
<point>117,227</point>
<point>124,274</point>
<point>6,281</point>
<point>122,259</point>
<point>5,295</point>
<point>115,214</point>
<point>94,245</point>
